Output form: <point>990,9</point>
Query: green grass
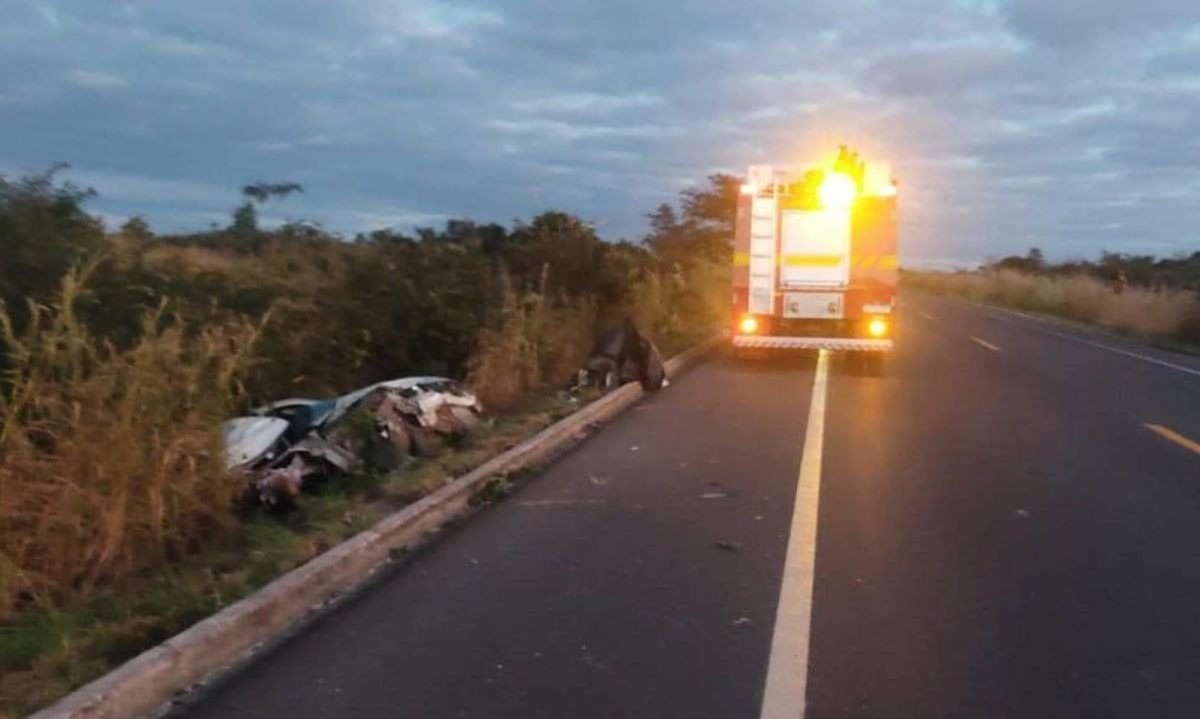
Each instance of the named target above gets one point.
<point>45,654</point>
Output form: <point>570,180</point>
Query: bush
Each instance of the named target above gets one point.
<point>536,342</point>
<point>110,460</point>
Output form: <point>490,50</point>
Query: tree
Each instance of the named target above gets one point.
<point>44,231</point>
<point>137,228</point>
<point>245,219</point>
<point>713,208</point>
<point>668,238</point>
<point>703,229</point>
<point>260,192</point>
<point>1033,261</point>
<point>1037,260</point>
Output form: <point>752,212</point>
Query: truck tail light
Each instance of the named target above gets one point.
<point>748,325</point>
<point>877,327</point>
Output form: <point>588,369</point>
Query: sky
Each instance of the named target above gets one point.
<point>1069,125</point>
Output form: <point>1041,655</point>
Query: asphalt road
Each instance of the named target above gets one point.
<point>999,534</point>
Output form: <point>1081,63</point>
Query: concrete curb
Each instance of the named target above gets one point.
<point>149,680</point>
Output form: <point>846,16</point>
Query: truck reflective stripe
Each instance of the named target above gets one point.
<point>812,260</point>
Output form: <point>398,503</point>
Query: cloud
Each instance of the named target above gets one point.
<point>427,19</point>
<point>136,189</point>
<point>92,80</point>
<point>48,15</point>
<point>1072,124</point>
<point>1070,24</point>
<point>586,103</point>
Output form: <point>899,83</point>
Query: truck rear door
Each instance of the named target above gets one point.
<point>814,249</point>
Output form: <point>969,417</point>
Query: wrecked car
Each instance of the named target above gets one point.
<point>377,427</point>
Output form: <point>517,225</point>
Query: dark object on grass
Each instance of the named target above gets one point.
<point>622,354</point>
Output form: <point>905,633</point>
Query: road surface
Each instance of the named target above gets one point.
<point>1008,526</point>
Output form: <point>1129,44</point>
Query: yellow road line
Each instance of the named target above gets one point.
<point>787,669</point>
<point>1174,436</point>
<point>985,343</point>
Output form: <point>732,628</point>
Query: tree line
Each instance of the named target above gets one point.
<point>337,313</point>
<point>1181,272</point>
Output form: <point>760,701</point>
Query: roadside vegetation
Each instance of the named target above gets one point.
<point>1157,299</point>
<point>122,351</point>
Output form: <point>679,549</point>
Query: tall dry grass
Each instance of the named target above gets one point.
<point>1080,297</point>
<point>536,342</point>
<point>110,460</point>
<point>541,341</point>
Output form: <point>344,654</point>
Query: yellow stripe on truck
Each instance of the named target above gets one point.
<point>741,259</point>
<point>812,260</point>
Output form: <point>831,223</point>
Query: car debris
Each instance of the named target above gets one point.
<point>251,440</point>
<point>302,415</point>
<point>623,354</point>
<point>288,443</point>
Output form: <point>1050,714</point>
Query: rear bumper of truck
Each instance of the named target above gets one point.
<point>838,344</point>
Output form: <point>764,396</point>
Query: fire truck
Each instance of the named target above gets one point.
<point>814,263</point>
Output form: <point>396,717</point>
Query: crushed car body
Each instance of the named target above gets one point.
<point>291,442</point>
<point>251,440</point>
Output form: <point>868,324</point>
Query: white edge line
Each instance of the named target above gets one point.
<point>984,343</point>
<point>1098,345</point>
<point>787,670</point>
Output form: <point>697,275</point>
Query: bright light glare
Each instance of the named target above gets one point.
<point>877,327</point>
<point>888,190</point>
<point>749,188</point>
<point>748,325</point>
<point>837,191</point>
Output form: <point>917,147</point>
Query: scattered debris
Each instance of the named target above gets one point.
<point>741,620</point>
<point>714,495</point>
<point>600,480</point>
<point>1023,513</point>
<point>728,546</point>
